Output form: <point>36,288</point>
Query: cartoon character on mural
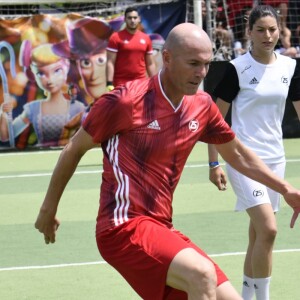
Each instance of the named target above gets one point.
<point>6,127</point>
<point>78,41</point>
<point>54,118</point>
<point>86,46</point>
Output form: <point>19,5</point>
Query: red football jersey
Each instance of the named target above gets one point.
<point>131,50</point>
<point>146,143</point>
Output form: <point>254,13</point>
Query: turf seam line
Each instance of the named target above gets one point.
<point>104,262</point>
<point>101,170</point>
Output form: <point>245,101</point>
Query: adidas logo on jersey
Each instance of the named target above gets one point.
<point>154,125</point>
<point>254,81</point>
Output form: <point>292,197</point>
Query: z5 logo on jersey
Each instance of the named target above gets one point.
<point>258,193</point>
<point>193,125</point>
<point>284,80</point>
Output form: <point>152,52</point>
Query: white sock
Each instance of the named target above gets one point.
<point>248,288</point>
<point>262,287</point>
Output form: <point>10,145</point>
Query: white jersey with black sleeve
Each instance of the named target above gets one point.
<point>258,93</point>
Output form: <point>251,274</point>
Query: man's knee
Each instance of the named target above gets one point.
<point>203,275</point>
<point>190,271</point>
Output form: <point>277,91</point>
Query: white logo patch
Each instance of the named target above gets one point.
<point>193,125</point>
<point>154,125</point>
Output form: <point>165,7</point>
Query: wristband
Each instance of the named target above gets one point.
<point>109,88</point>
<point>213,164</point>
<point>109,83</point>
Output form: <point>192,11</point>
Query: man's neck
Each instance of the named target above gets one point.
<point>131,31</point>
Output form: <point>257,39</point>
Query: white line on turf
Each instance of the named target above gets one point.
<point>98,171</point>
<point>104,262</point>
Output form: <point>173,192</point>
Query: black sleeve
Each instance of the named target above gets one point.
<point>294,90</point>
<point>228,87</point>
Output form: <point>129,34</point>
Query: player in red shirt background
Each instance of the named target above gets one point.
<point>129,52</point>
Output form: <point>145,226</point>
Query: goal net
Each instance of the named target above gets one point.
<point>19,8</point>
<point>226,23</point>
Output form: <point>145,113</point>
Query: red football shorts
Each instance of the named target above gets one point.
<point>141,250</point>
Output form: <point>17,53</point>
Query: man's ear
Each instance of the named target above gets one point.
<point>166,56</point>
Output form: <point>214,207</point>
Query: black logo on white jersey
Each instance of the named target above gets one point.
<point>284,80</point>
<point>246,68</point>
<point>254,81</point>
<point>258,193</point>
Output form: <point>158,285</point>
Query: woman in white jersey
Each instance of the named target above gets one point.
<point>257,85</point>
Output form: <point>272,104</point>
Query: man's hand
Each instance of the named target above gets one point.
<point>294,216</point>
<point>47,224</point>
<point>292,198</point>
<point>217,177</point>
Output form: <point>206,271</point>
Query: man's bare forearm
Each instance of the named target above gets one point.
<point>62,173</point>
